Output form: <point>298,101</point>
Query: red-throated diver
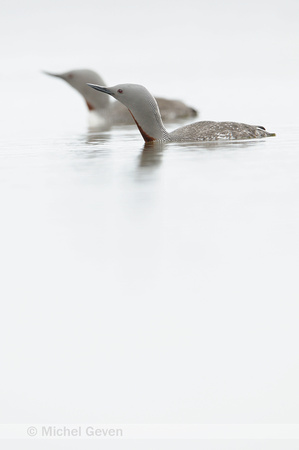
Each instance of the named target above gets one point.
<point>145,111</point>
<point>103,112</point>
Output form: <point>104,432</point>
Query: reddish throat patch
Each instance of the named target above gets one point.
<point>89,106</point>
<point>145,136</point>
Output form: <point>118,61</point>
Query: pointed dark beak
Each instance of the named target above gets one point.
<point>58,75</point>
<point>100,88</point>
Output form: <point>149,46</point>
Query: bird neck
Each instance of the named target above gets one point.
<point>97,103</point>
<point>149,123</point>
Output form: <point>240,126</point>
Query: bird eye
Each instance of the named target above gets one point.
<point>120,91</point>
<point>70,76</point>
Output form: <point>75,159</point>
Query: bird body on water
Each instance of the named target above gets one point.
<point>145,111</point>
<point>103,112</point>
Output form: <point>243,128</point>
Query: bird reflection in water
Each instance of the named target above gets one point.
<point>151,155</point>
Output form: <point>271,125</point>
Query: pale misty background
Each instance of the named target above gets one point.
<point>139,290</point>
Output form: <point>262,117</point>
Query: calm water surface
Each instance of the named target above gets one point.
<point>175,266</point>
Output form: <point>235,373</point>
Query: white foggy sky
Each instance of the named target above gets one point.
<point>196,38</point>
